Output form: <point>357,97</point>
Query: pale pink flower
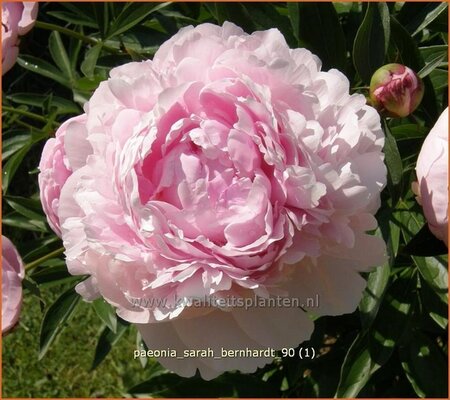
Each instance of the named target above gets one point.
<point>432,176</point>
<point>12,274</point>
<point>17,19</point>
<point>229,165</point>
<point>396,90</point>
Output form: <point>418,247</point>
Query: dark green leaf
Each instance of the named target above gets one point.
<point>18,221</point>
<point>372,40</point>
<point>63,105</point>
<point>432,65</point>
<point>430,17</point>
<point>433,305</point>
<point>131,16</point>
<point>232,12</point>
<point>27,207</point>
<point>373,294</point>
<point>90,60</point>
<point>56,318</point>
<point>393,162</point>
<point>313,19</point>
<point>13,144</point>
<point>265,16</point>
<point>356,369</point>
<point>424,243</point>
<point>393,318</point>
<point>413,15</point>
<point>12,165</point>
<point>434,271</point>
<point>43,68</point>
<point>439,79</point>
<point>408,132</point>
<point>425,366</point>
<point>107,340</point>
<point>59,55</point>
<point>57,274</point>
<point>72,18</point>
<point>106,312</point>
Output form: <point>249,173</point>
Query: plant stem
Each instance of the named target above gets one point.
<point>76,35</point>
<point>48,256</point>
<point>28,114</point>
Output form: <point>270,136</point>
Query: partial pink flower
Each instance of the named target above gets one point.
<point>228,167</point>
<point>12,274</point>
<point>17,19</point>
<point>432,176</point>
<point>56,165</point>
<point>396,90</point>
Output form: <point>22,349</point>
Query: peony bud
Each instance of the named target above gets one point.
<point>432,176</point>
<point>12,274</point>
<point>396,90</point>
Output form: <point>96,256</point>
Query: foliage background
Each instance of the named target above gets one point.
<point>394,345</point>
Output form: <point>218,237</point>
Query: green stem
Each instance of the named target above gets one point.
<point>76,35</point>
<point>27,114</point>
<point>48,256</point>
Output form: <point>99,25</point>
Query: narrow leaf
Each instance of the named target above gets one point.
<point>372,40</point>
<point>56,318</point>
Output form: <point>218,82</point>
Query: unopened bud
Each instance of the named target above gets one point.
<point>396,90</point>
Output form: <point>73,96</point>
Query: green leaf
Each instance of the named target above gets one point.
<point>425,366</point>
<point>106,313</point>
<point>13,144</point>
<point>90,60</point>
<point>107,340</point>
<point>56,318</point>
<point>18,221</point>
<point>434,307</point>
<point>232,12</point>
<point>409,131</point>
<point>72,18</point>
<point>434,271</point>
<point>43,68</point>
<point>310,21</point>
<point>356,368</point>
<point>424,243</point>
<point>428,53</point>
<point>393,162</point>
<point>132,15</point>
<point>439,79</point>
<point>63,105</point>
<point>163,384</point>
<point>266,16</point>
<point>52,275</point>
<point>432,65</point>
<point>373,294</point>
<point>413,15</point>
<point>59,55</point>
<point>11,166</point>
<point>393,318</point>
<point>430,17</point>
<point>27,207</point>
<point>372,40</point>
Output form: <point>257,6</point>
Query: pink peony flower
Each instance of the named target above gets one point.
<point>12,274</point>
<point>432,175</point>
<point>17,19</point>
<point>396,90</point>
<point>227,168</point>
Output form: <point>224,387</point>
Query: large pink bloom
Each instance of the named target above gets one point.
<point>432,176</point>
<point>17,19</point>
<point>229,165</point>
<point>12,274</point>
